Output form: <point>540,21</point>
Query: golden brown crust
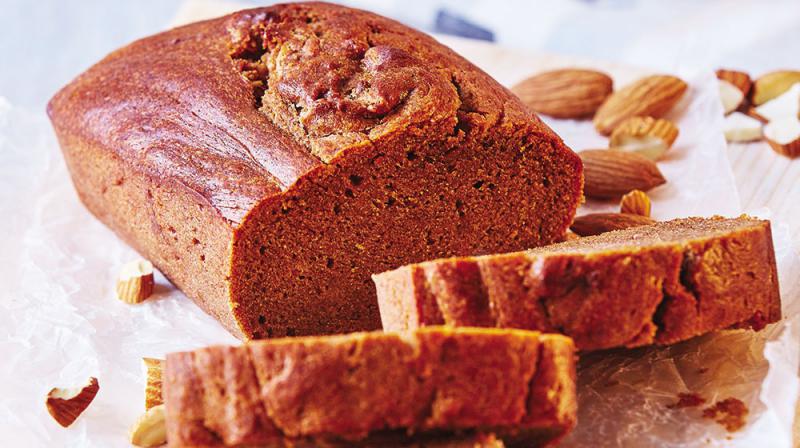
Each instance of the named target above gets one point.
<point>655,284</point>
<point>269,161</point>
<point>363,387</point>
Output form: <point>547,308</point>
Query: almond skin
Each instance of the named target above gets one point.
<point>635,203</point>
<point>65,405</point>
<point>652,96</point>
<point>611,174</point>
<point>597,223</point>
<point>739,79</point>
<point>567,93</point>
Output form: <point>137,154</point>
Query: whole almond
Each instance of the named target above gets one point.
<point>740,80</point>
<point>610,174</point>
<point>597,223</point>
<point>646,136</point>
<point>566,93</point>
<point>652,96</point>
<point>635,202</point>
<point>773,84</point>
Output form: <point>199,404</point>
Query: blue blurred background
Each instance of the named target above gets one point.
<point>45,43</point>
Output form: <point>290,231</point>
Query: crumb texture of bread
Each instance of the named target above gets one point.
<point>656,284</point>
<point>375,389</point>
<point>268,162</point>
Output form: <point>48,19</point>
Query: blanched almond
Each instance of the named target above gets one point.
<point>730,95</point>
<point>783,136</point>
<point>739,127</point>
<point>150,429</point>
<point>785,105</point>
<point>773,84</point>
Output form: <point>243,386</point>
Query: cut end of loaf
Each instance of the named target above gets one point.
<point>656,284</point>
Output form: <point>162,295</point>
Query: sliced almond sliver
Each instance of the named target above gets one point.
<point>730,95</point>
<point>66,404</point>
<point>646,136</point>
<point>739,128</point>
<point>783,136</point>
<point>785,105</point>
<point>135,283</point>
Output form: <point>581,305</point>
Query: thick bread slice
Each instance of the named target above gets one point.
<point>370,389</point>
<point>268,162</point>
<point>656,284</point>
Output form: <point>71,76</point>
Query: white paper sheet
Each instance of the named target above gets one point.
<point>62,323</point>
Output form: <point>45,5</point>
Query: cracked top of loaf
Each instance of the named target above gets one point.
<point>239,108</point>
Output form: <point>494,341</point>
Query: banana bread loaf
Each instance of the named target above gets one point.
<point>373,389</point>
<point>656,284</point>
<point>269,161</point>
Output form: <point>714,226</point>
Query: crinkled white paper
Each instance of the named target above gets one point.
<point>62,323</point>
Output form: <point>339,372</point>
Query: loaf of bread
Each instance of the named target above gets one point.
<point>268,162</point>
<point>374,389</point>
<point>656,284</point>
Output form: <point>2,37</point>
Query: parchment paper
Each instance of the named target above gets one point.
<point>62,323</point>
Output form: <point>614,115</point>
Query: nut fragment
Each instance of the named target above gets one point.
<point>635,203</point>
<point>152,392</point>
<point>647,136</point>
<point>652,96</point>
<point>135,283</point>
<point>786,104</point>
<point>773,84</point>
<point>150,429</point>
<point>597,223</point>
<point>566,93</point>
<point>609,174</point>
<point>66,404</point>
<point>739,79</point>
<point>730,95</point>
<point>739,127</point>
<point>783,136</point>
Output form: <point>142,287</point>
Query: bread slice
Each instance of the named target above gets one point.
<point>374,389</point>
<point>656,284</point>
<point>268,162</point>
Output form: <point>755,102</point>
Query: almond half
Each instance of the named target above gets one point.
<point>646,136</point>
<point>730,95</point>
<point>773,84</point>
<point>610,174</point>
<point>150,429</point>
<point>135,283</point>
<point>652,96</point>
<point>152,392</point>
<point>739,128</point>
<point>566,93</point>
<point>66,404</point>
<point>786,104</point>
<point>737,78</point>
<point>636,202</point>
<point>783,136</point>
<point>597,223</point>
